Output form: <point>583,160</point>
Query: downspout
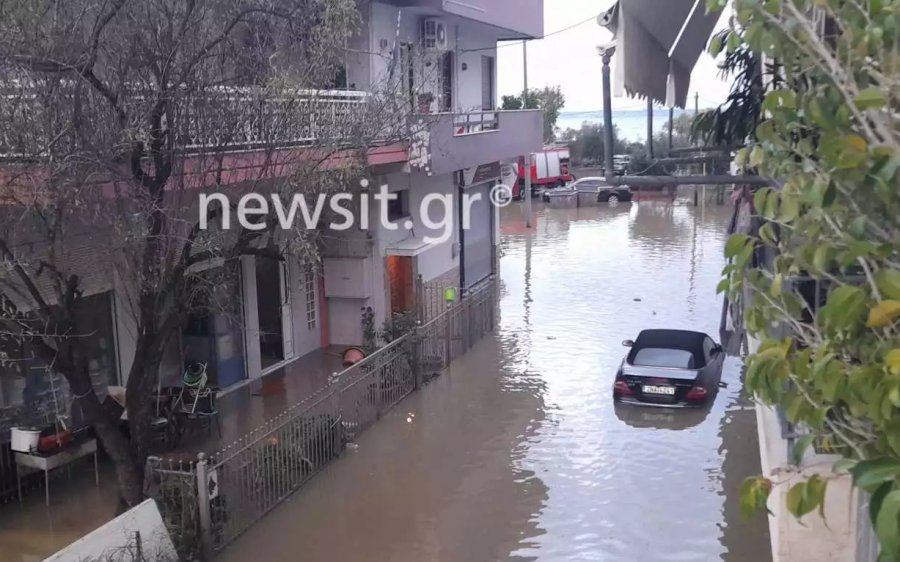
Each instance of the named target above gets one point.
<point>462,233</point>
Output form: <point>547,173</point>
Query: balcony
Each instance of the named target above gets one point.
<point>462,141</point>
<point>35,125</point>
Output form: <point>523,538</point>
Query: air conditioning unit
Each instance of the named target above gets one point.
<point>434,34</point>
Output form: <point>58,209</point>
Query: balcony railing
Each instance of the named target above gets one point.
<point>477,122</point>
<point>44,123</point>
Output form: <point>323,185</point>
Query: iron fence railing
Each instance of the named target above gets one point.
<point>209,501</point>
<point>37,124</point>
<point>476,122</point>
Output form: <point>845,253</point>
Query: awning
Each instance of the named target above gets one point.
<point>657,44</point>
<point>409,247</point>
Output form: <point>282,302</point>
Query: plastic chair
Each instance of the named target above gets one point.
<point>197,400</point>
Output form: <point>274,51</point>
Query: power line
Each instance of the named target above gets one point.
<point>557,32</point>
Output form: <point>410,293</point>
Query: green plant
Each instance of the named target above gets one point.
<point>397,326</point>
<point>828,134</point>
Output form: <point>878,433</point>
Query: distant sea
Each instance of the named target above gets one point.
<point>632,123</point>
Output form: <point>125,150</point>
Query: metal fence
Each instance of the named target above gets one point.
<point>220,118</point>
<point>209,501</point>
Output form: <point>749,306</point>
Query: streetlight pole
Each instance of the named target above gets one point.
<point>526,160</point>
<point>607,114</point>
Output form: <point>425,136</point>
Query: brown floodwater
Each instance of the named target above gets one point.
<point>519,453</point>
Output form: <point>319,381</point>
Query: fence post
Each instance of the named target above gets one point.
<point>417,354</point>
<point>206,543</point>
<point>420,297</point>
<point>447,328</point>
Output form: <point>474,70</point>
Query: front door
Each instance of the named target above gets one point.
<point>273,300</point>
<point>402,286</point>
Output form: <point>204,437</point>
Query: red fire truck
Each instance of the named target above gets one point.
<point>550,169</point>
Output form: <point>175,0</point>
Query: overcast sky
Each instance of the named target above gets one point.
<point>570,60</point>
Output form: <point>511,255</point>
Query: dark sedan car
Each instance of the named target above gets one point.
<point>670,368</point>
<point>604,191</point>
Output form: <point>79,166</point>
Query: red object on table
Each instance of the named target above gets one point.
<point>55,441</point>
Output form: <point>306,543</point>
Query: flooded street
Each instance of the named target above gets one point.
<point>519,452</point>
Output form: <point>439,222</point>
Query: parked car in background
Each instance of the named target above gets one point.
<point>621,164</point>
<point>604,191</point>
<point>670,368</point>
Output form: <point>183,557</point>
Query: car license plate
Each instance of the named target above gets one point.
<point>660,390</point>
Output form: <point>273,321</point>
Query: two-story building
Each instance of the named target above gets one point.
<point>442,54</point>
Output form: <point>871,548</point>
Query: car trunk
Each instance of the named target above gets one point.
<point>639,378</point>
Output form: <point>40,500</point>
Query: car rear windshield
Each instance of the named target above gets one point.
<point>659,357</point>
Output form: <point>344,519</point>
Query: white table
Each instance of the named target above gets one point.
<point>68,454</point>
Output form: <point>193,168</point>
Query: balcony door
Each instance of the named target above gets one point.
<point>487,83</point>
<point>447,65</point>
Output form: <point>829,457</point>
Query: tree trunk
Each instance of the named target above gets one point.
<point>140,401</point>
<point>128,473</point>
<point>107,429</point>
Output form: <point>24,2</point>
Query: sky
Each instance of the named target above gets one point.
<point>570,60</point>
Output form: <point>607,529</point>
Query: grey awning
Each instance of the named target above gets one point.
<point>646,32</point>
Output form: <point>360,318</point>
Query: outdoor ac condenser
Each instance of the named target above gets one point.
<point>434,34</point>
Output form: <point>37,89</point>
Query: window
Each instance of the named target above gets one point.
<point>309,289</point>
<point>670,358</point>
<point>708,346</point>
<point>398,207</point>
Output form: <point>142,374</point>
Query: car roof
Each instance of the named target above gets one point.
<point>662,333</point>
<point>686,340</point>
<point>591,178</point>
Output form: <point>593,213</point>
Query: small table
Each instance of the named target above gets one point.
<point>67,454</point>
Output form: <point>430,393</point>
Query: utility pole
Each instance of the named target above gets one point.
<point>696,104</point>
<point>607,115</point>
<point>650,127</point>
<point>526,160</point>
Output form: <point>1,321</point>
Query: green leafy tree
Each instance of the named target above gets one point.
<point>828,135</point>
<point>587,144</point>
<point>550,99</point>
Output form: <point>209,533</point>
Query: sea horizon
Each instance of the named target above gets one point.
<point>632,123</point>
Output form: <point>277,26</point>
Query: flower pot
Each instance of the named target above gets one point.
<point>24,439</point>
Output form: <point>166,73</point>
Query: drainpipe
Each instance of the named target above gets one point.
<point>460,183</point>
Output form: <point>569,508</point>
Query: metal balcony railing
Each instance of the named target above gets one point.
<point>65,121</point>
<point>476,122</point>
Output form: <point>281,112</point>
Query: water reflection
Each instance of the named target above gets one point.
<point>671,419</point>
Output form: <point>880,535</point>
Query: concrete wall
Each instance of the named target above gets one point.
<point>520,132</point>
<point>116,541</point>
<point>811,539</point>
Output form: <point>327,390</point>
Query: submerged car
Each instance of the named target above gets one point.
<point>670,368</point>
<point>604,191</point>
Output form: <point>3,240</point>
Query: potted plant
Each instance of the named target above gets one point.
<point>425,100</point>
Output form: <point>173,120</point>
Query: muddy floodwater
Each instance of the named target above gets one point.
<point>519,452</point>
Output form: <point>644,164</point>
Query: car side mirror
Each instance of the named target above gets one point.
<point>628,343</point>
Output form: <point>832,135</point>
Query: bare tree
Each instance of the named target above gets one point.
<point>114,114</point>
